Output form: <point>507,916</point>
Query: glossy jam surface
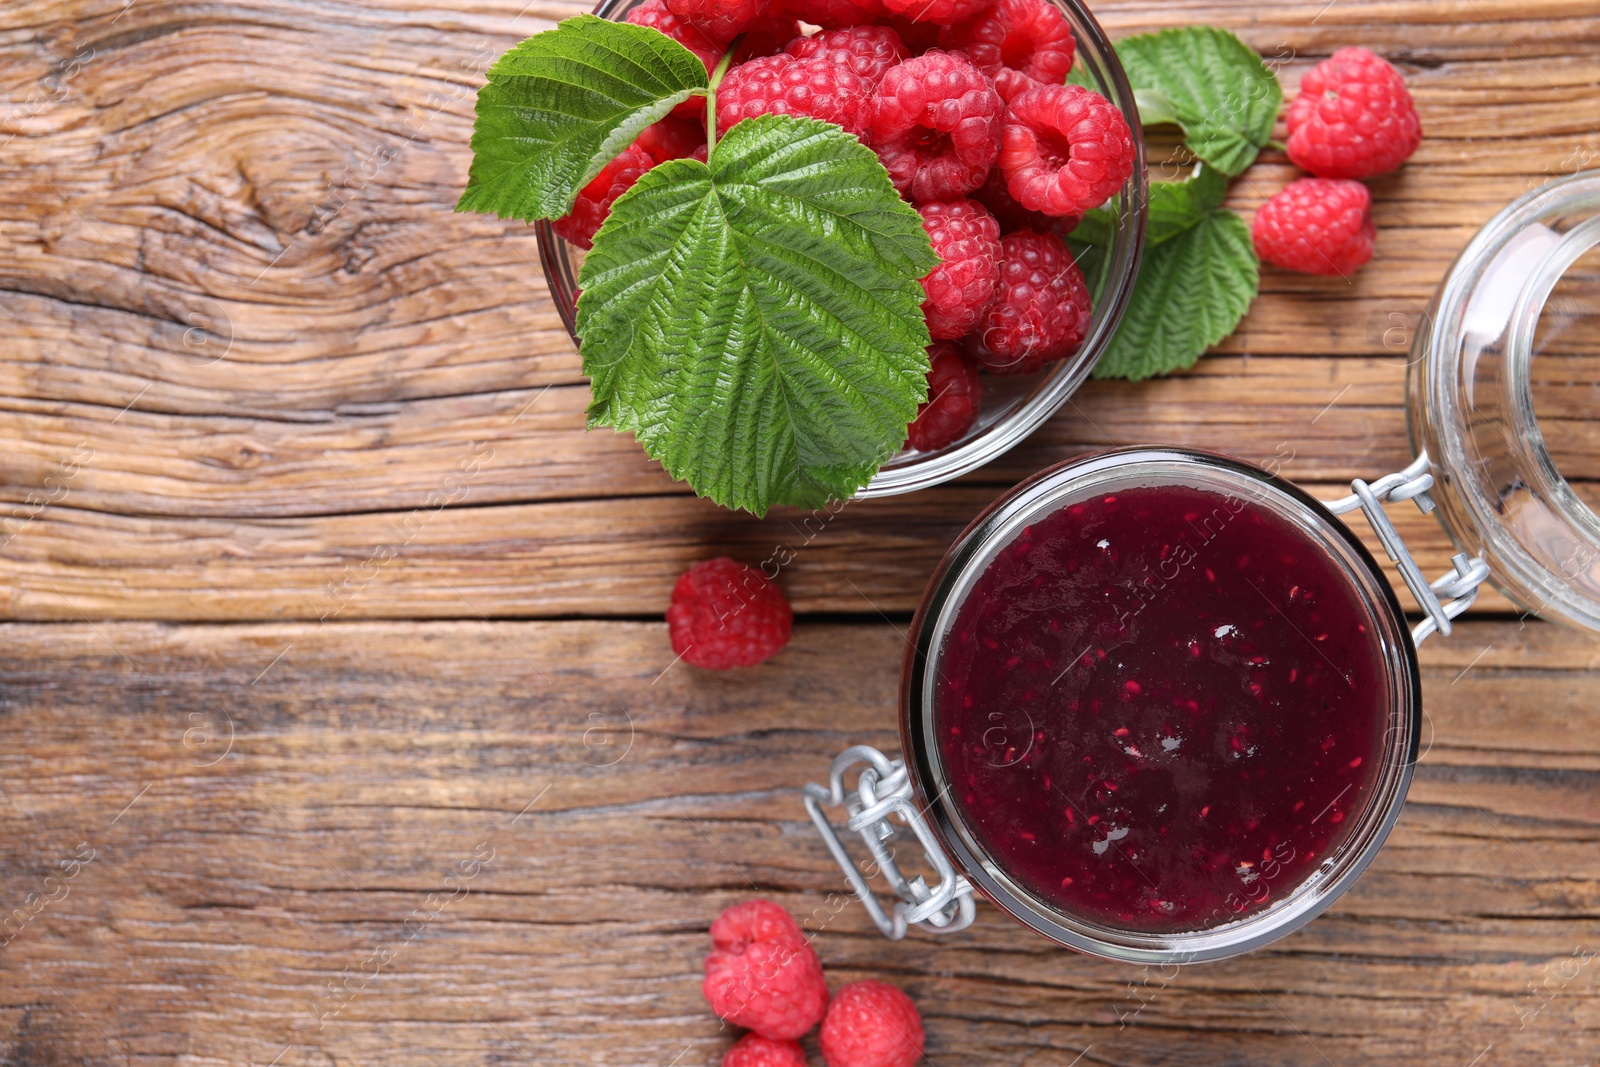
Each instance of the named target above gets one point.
<point>1160,708</point>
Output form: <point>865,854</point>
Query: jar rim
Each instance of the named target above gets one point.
<point>970,556</point>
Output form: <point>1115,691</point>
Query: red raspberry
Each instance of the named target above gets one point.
<point>918,36</point>
<point>936,126</point>
<point>1041,310</point>
<point>1317,226</point>
<point>1011,215</point>
<point>725,614</point>
<point>1353,118</point>
<point>762,973</point>
<point>1067,149</point>
<point>867,50</point>
<point>767,37</point>
<point>671,138</point>
<point>938,12</point>
<point>595,199</point>
<point>1018,43</point>
<point>720,20</point>
<point>955,393</point>
<point>871,1024</point>
<point>834,14</point>
<point>753,1050</point>
<point>966,238</point>
<point>784,85</point>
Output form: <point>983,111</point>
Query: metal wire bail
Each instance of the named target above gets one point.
<point>1447,596</point>
<point>884,789</point>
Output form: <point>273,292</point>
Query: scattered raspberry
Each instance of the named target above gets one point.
<point>762,973</point>
<point>1353,118</point>
<point>595,199</point>
<point>834,14</point>
<point>720,20</point>
<point>671,138</point>
<point>1316,225</point>
<point>936,123</point>
<point>725,614</point>
<point>1041,310</point>
<point>938,12</point>
<point>654,13</point>
<point>871,1024</point>
<point>753,1050</point>
<point>955,393</point>
<point>784,85</point>
<point>1018,43</point>
<point>1011,215</point>
<point>1067,149</point>
<point>867,50</point>
<point>966,238</point>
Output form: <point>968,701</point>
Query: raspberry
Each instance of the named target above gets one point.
<point>767,37</point>
<point>918,36</point>
<point>1018,43</point>
<point>762,973</point>
<point>725,614</point>
<point>720,20</point>
<point>936,126</point>
<point>1011,215</point>
<point>834,14</point>
<point>1067,149</point>
<point>1353,117</point>
<point>784,85</point>
<point>1317,226</point>
<point>955,393</point>
<point>1041,310</point>
<point>966,238</point>
<point>671,138</point>
<point>871,1024</point>
<point>867,50</point>
<point>595,199</point>
<point>938,12</point>
<point>753,1050</point>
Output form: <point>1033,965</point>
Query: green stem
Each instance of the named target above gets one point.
<point>711,93</point>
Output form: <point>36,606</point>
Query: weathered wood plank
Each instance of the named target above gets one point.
<point>587,557</point>
<point>369,761</point>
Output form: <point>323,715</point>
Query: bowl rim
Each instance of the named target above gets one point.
<point>1305,901</point>
<point>1050,393</point>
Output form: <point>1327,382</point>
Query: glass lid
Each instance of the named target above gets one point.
<point>1504,394</point>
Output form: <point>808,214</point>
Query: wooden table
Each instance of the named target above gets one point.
<point>353,757</point>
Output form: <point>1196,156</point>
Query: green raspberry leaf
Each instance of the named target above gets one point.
<point>756,320</point>
<point>1192,291</point>
<point>562,104</point>
<point>1209,82</point>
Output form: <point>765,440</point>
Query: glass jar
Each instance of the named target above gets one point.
<point>1502,389</point>
<point>1310,680</point>
<point>1013,407</point>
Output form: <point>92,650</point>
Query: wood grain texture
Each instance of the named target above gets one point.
<point>242,313</point>
<point>269,804</point>
<point>255,371</point>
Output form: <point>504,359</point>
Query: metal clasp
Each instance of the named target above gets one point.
<point>1446,597</point>
<point>884,789</point>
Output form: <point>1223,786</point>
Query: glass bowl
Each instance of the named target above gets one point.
<point>1013,407</point>
<point>1502,393</point>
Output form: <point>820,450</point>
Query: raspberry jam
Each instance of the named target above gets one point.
<point>1161,708</point>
